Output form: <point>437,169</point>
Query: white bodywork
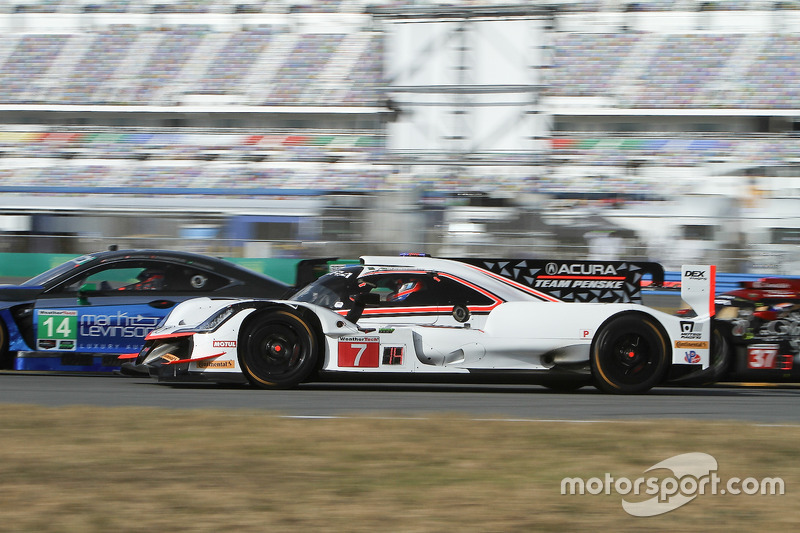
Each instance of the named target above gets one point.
<point>523,333</point>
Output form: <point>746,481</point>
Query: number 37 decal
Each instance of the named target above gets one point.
<point>766,356</point>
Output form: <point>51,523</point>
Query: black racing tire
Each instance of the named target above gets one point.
<point>630,355</point>
<point>6,357</point>
<point>721,357</point>
<point>277,350</point>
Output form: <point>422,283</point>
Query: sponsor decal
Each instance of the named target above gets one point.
<point>118,325</point>
<point>386,330</point>
<point>360,339</point>
<point>690,330</point>
<point>46,344</point>
<point>783,327</point>
<point>359,352</point>
<point>698,275</point>
<point>224,344</point>
<point>692,345</point>
<point>169,357</point>
<point>575,281</point>
<point>69,330</point>
<point>215,364</point>
<point>580,276</point>
<point>56,312</point>
<point>554,269</point>
<point>579,284</point>
<point>692,357</point>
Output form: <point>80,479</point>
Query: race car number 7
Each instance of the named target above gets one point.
<point>361,348</point>
<point>362,354</point>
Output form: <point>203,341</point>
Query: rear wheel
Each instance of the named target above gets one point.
<point>277,350</point>
<point>629,355</point>
<point>720,356</point>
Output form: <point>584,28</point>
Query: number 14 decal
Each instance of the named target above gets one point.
<point>361,352</point>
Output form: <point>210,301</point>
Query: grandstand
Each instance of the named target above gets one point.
<point>217,112</point>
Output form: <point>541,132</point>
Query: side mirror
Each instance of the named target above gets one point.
<point>83,293</point>
<point>369,298</point>
<point>87,287</point>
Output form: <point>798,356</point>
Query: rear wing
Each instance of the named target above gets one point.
<point>578,281</point>
<point>698,288</point>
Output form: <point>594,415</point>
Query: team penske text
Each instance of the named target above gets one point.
<point>579,283</point>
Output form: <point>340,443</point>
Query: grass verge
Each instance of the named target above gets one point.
<point>131,469</point>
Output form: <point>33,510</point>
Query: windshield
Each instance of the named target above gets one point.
<point>331,290</point>
<point>44,277</point>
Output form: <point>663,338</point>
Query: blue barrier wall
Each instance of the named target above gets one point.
<point>725,281</point>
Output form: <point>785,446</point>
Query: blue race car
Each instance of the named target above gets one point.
<point>81,315</point>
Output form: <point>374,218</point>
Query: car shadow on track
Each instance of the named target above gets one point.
<point>719,390</point>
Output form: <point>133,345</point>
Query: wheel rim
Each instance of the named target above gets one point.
<point>277,350</point>
<point>630,358</point>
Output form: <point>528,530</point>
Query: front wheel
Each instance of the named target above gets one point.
<point>277,350</point>
<point>629,355</point>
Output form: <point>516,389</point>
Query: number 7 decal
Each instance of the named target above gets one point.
<point>359,352</point>
<point>361,348</point>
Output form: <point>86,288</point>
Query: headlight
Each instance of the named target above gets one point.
<point>217,319</point>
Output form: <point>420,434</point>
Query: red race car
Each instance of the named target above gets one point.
<point>760,328</point>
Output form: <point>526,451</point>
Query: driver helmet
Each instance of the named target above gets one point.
<point>149,279</point>
<point>149,273</point>
<point>405,289</point>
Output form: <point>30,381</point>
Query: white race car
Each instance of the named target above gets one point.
<point>562,324</point>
